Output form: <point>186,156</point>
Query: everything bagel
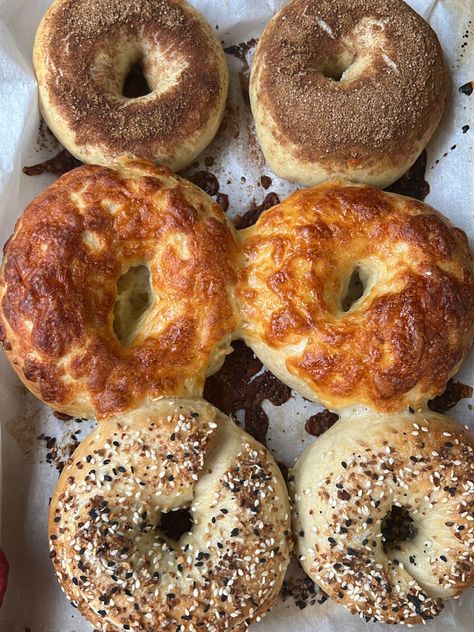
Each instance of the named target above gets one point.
<point>111,555</point>
<point>384,514</point>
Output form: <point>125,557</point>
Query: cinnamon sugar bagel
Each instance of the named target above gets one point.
<point>384,514</point>
<point>349,88</point>
<point>353,296</point>
<point>117,286</point>
<point>83,52</point>
<point>124,568</point>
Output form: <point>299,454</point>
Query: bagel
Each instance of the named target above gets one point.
<point>400,342</point>
<point>384,514</point>
<point>117,286</point>
<point>346,88</point>
<point>83,52</point>
<point>112,557</point>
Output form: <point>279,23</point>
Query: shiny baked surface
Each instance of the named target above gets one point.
<point>398,344</point>
<point>117,286</point>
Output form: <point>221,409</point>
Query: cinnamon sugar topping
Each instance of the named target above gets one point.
<point>84,42</point>
<point>380,106</point>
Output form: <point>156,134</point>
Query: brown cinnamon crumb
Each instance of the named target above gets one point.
<point>383,111</point>
<point>98,115</point>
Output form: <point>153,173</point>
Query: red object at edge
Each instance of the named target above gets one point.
<point>4,568</point>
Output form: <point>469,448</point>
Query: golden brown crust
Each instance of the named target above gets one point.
<point>370,125</point>
<point>117,564</point>
<point>349,488</point>
<point>408,334</point>
<point>396,347</point>
<point>83,51</point>
<point>58,287</point>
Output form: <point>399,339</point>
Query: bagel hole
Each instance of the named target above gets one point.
<point>133,300</point>
<point>136,84</point>
<point>355,290</point>
<point>175,524</point>
<point>333,73</point>
<point>336,68</point>
<point>397,526</point>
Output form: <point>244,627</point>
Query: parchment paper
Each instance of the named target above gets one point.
<point>33,440</point>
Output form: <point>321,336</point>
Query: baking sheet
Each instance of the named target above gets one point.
<point>34,442</point>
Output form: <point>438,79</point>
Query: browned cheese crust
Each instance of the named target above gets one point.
<point>117,564</point>
<point>385,110</point>
<point>80,61</point>
<point>397,345</point>
<point>58,288</point>
<point>350,486</point>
